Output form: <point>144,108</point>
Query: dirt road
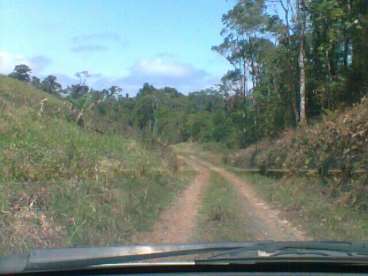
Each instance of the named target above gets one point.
<point>177,224</point>
<point>265,222</point>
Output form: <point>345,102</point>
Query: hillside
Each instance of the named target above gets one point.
<point>334,151</point>
<point>62,185</point>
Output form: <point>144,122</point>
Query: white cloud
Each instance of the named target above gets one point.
<point>38,63</point>
<point>9,60</point>
<point>160,67</point>
<point>89,48</point>
<point>160,71</point>
<point>95,37</point>
<point>96,42</point>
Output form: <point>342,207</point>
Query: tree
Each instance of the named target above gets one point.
<point>114,90</point>
<point>358,79</point>
<point>147,89</point>
<point>50,85</point>
<point>243,24</point>
<point>83,76</point>
<point>286,55</point>
<point>36,82</point>
<point>301,19</point>
<point>21,72</point>
<point>77,91</point>
<point>232,83</point>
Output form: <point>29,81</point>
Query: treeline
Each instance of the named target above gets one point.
<point>293,61</point>
<point>307,57</point>
<point>164,114</point>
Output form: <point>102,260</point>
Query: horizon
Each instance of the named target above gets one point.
<point>124,50</point>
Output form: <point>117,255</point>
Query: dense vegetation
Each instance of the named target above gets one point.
<point>337,144</point>
<point>74,159</point>
<point>290,67</point>
<point>219,211</point>
<point>62,185</point>
<point>294,62</point>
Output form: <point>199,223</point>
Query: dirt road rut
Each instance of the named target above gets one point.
<point>266,222</point>
<point>177,224</point>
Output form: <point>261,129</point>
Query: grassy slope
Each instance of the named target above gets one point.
<point>329,207</point>
<point>63,186</point>
<point>304,203</point>
<point>219,217</point>
<point>340,141</point>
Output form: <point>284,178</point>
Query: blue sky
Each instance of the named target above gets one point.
<point>123,42</point>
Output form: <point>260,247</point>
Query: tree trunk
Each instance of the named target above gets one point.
<point>346,53</point>
<point>252,62</point>
<point>347,40</point>
<point>329,72</point>
<point>302,77</point>
<point>359,75</point>
<point>245,90</point>
<point>291,88</point>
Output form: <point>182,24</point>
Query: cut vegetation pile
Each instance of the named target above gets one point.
<point>62,185</point>
<point>337,144</point>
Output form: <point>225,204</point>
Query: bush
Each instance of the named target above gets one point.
<point>338,142</point>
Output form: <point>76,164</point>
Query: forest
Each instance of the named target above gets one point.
<point>293,62</point>
<point>276,150</point>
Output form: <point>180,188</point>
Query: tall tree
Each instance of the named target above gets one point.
<point>243,24</point>
<point>359,72</point>
<point>36,82</point>
<point>83,77</point>
<point>50,85</point>
<point>114,90</point>
<point>21,72</point>
<point>301,19</point>
<point>77,91</point>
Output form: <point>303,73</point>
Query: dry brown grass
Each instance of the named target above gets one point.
<point>338,142</point>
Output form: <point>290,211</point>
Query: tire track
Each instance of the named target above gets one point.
<point>177,223</point>
<point>265,222</point>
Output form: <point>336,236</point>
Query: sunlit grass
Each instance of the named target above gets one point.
<point>61,185</point>
<point>222,216</point>
<point>304,202</point>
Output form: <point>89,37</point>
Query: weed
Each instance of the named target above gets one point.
<point>61,185</point>
<point>304,202</point>
<point>221,217</point>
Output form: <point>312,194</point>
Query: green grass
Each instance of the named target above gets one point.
<point>61,185</point>
<point>304,202</point>
<point>221,217</point>
<point>213,152</point>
